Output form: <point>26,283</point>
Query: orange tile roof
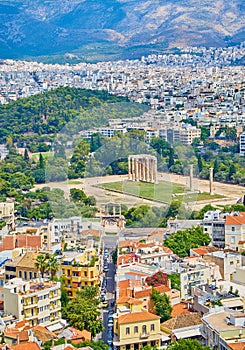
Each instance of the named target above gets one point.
<point>128,283</point>
<point>237,346</point>
<point>199,251</point>
<point>137,317</point>
<point>235,220</point>
<point>136,274</point>
<point>179,309</point>
<point>26,346</point>
<point>148,291</point>
<point>126,258</point>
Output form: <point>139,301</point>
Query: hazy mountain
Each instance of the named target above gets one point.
<point>39,27</point>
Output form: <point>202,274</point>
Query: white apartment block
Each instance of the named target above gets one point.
<point>242,144</point>
<point>37,302</point>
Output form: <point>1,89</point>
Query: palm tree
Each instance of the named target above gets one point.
<point>41,263</point>
<point>52,266</point>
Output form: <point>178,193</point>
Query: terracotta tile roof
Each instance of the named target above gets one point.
<point>180,309</point>
<point>235,220</point>
<point>77,334</point>
<point>237,346</point>
<point>126,258</point>
<point>26,346</point>
<point>22,335</point>
<point>200,251</point>
<point>128,283</point>
<point>184,320</point>
<point>148,291</point>
<point>145,245</point>
<point>127,243</point>
<point>133,317</point>
<point>241,242</point>
<point>136,274</point>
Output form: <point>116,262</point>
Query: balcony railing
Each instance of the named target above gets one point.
<point>144,335</point>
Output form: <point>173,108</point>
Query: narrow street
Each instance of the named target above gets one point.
<point>110,297</point>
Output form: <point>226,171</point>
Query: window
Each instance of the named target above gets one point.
<point>144,329</point>
<point>233,228</point>
<point>20,274</point>
<point>136,330</point>
<point>30,275</point>
<point>152,327</point>
<point>25,275</point>
<point>127,330</point>
<point>233,239</point>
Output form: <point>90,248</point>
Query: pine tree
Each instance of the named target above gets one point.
<point>41,161</point>
<point>216,166</point>
<point>171,158</point>
<point>199,163</point>
<point>26,156</point>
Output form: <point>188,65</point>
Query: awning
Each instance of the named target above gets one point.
<point>189,333</point>
<point>55,327</point>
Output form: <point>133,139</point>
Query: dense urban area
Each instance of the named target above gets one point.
<point>122,203</point>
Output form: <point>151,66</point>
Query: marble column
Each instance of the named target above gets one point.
<point>211,181</point>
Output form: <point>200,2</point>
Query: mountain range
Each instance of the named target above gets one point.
<point>97,29</point>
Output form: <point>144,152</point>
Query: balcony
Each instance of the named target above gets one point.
<point>144,335</point>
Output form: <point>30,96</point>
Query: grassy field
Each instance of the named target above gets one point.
<point>163,191</point>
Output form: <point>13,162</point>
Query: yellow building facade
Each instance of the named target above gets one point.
<point>135,330</point>
<point>79,271</point>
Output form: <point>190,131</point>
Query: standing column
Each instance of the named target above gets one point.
<point>211,181</point>
<point>191,177</point>
<point>133,168</point>
<point>136,169</point>
<point>155,170</point>
<point>147,169</point>
<point>129,168</point>
<point>152,170</point>
<point>144,168</point>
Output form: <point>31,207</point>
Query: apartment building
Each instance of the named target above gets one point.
<point>136,330</point>
<point>214,224</point>
<point>227,262</point>
<point>193,275</point>
<point>22,266</point>
<point>80,270</point>
<point>189,134</point>
<point>222,327</point>
<point>36,302</point>
<point>234,230</point>
<point>242,144</point>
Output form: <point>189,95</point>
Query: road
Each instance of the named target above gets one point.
<point>110,297</point>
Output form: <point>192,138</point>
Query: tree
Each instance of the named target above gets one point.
<point>26,156</point>
<point>41,163</point>
<point>41,263</point>
<point>83,313</point>
<point>52,266</point>
<point>171,158</point>
<point>199,163</point>
<point>186,344</point>
<point>162,305</point>
<point>232,171</point>
<point>181,242</point>
<point>216,166</point>
<point>77,195</point>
